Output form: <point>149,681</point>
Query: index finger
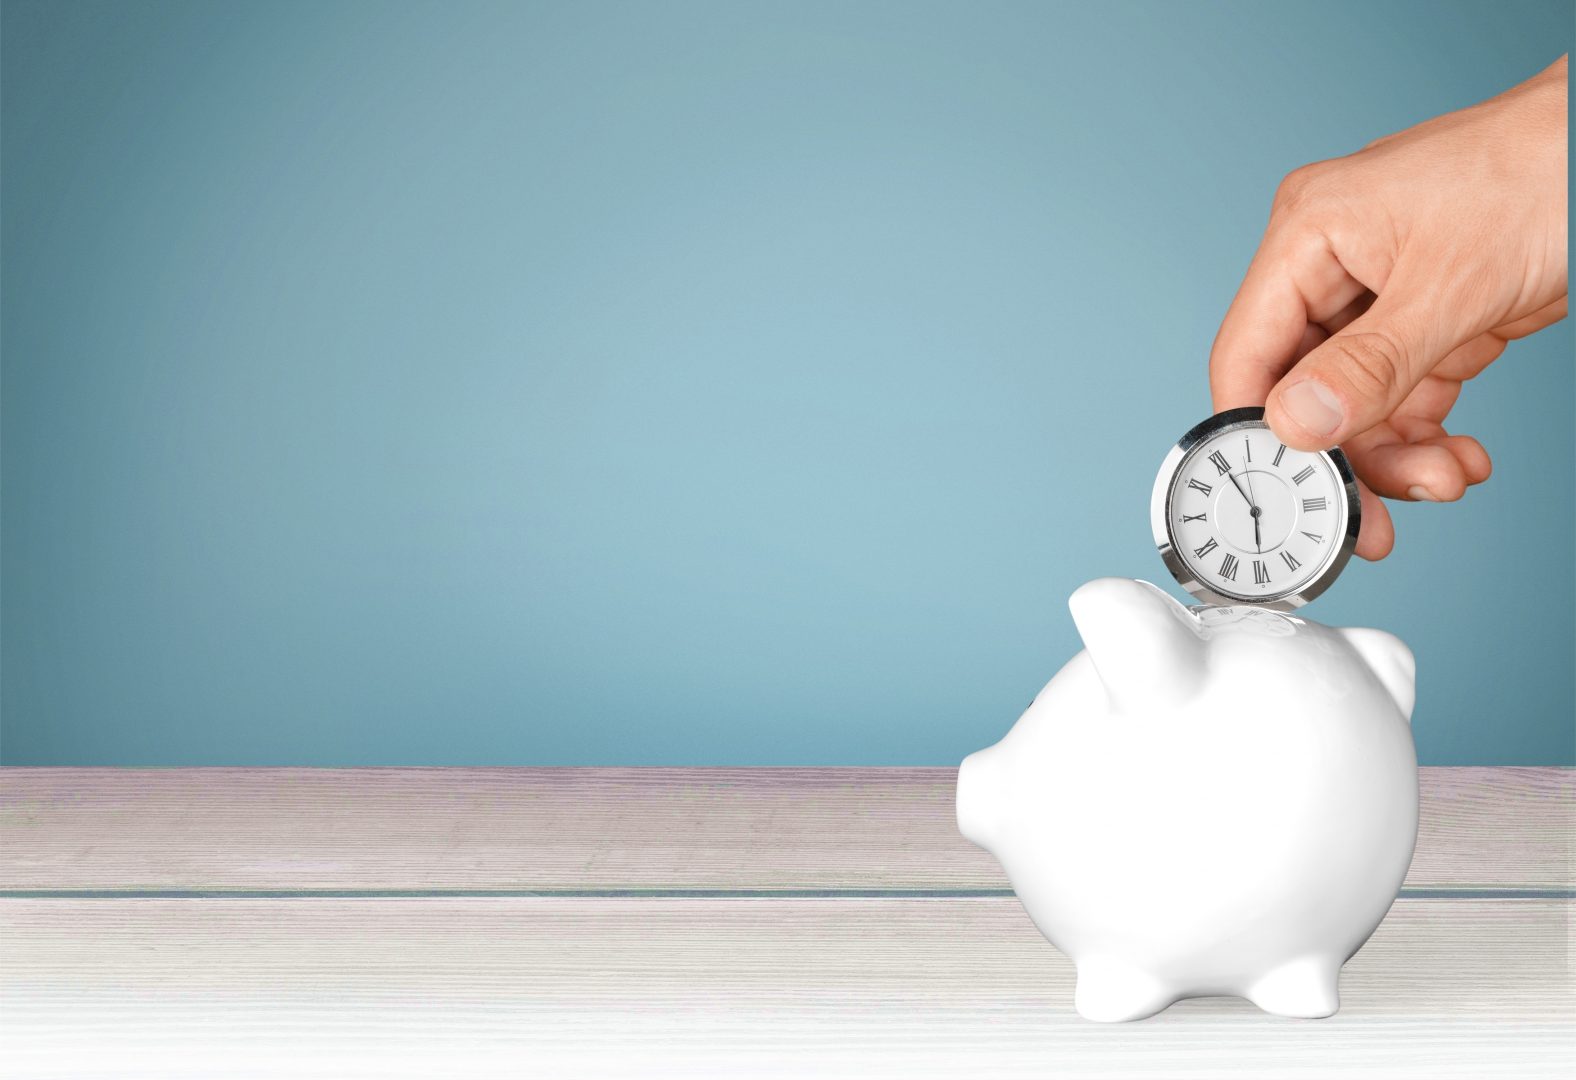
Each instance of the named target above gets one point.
<point>1294,283</point>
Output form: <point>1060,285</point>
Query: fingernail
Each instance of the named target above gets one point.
<point>1313,406</point>
<point>1422,494</point>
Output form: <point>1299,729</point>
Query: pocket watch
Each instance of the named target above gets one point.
<point>1241,518</point>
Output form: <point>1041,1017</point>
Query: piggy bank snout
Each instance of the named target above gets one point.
<point>979,796</point>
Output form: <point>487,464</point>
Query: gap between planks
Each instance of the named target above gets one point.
<point>677,831</point>
<point>654,894</point>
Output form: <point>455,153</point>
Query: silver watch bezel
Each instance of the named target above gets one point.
<point>1160,515</point>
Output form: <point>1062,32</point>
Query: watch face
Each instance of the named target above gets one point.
<point>1242,518</point>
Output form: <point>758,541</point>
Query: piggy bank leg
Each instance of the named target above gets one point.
<point>1112,990</point>
<point>1306,988</point>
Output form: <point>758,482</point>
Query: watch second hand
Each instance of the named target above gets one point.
<point>1257,513</point>
<point>1258,542</point>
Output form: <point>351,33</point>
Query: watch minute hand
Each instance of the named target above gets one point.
<point>1252,509</point>
<point>1244,494</point>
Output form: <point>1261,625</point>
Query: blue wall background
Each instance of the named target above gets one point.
<point>679,383</point>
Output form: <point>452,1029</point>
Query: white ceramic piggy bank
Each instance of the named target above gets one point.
<point>1204,801</point>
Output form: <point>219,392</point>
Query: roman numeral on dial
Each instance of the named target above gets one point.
<point>1291,560</point>
<point>1261,573</point>
<point>1200,552</point>
<point>1278,455</point>
<point>1228,568</point>
<point>1310,505</point>
<point>1194,517</point>
<point>1199,486</point>
<point>1222,466</point>
<point>1306,472</point>
<point>1315,537</point>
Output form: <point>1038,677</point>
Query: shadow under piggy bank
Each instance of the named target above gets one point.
<point>1217,800</point>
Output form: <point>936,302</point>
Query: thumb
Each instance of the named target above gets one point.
<point>1359,376</point>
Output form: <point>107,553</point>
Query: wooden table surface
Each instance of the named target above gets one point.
<point>689,922</point>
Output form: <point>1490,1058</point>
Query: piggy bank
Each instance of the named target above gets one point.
<point>1217,800</point>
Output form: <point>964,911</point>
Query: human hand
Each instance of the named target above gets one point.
<point>1387,278</point>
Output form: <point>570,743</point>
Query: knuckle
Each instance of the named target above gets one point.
<point>1298,188</point>
<point>1374,363</point>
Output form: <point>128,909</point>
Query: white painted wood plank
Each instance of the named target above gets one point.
<point>562,987</point>
<point>595,828</point>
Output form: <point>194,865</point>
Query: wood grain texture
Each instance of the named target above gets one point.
<point>598,828</point>
<point>562,987</point>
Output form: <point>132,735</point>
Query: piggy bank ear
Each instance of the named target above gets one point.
<point>1145,645</point>
<point>1391,660</point>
